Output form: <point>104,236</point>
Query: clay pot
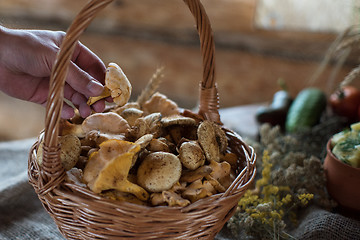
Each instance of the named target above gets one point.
<point>343,181</point>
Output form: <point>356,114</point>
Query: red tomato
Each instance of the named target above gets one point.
<point>345,102</point>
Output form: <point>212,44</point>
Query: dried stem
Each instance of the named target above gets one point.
<point>351,76</point>
<point>336,69</point>
<point>151,87</point>
<point>328,56</point>
<point>348,43</point>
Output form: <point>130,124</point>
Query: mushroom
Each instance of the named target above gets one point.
<point>157,199</point>
<point>159,171</point>
<point>207,140</point>
<point>179,127</point>
<point>70,150</point>
<point>131,115</point>
<point>75,176</point>
<point>192,176</point>
<point>68,128</point>
<point>231,158</point>
<point>196,191</point>
<point>215,183</point>
<point>99,137</point>
<point>116,85</point>
<point>149,124</point>
<point>160,103</point>
<point>106,123</point>
<point>171,197</point>
<point>220,137</point>
<point>120,109</point>
<point>191,155</point>
<point>145,140</point>
<point>109,167</point>
<point>117,82</point>
<point>157,145</point>
<point>177,120</point>
<point>105,93</point>
<point>221,172</point>
<point>174,199</point>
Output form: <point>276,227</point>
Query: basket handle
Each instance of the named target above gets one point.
<point>52,171</point>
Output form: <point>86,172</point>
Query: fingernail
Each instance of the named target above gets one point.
<point>95,87</point>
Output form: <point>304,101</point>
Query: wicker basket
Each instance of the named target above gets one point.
<point>81,214</point>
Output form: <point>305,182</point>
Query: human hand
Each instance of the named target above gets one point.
<point>26,60</point>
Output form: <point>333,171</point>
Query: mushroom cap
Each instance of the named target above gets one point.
<point>109,168</point>
<point>159,171</point>
<point>99,137</point>
<point>160,103</point>
<point>177,120</point>
<point>191,155</point>
<point>207,139</point>
<point>221,172</point>
<point>70,150</point>
<point>131,114</point>
<point>158,145</point>
<point>196,191</point>
<point>67,128</point>
<point>119,85</point>
<point>106,123</point>
<point>193,175</point>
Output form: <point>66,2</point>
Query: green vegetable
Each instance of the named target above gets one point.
<point>306,110</point>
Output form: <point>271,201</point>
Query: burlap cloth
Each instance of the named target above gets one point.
<point>23,217</point>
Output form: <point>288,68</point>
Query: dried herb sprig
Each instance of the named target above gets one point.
<point>151,87</point>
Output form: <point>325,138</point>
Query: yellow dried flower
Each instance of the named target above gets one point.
<point>286,199</point>
<point>266,171</point>
<point>305,198</point>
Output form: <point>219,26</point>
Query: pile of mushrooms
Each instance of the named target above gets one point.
<point>145,152</point>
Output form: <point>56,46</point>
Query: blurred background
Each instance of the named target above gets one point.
<point>257,42</point>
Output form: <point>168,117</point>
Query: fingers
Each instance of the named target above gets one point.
<point>89,62</point>
<point>83,82</point>
<point>67,111</point>
<point>80,102</point>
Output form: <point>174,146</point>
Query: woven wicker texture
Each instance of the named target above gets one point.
<point>81,214</point>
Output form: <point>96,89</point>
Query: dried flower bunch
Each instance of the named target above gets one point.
<point>288,180</point>
<point>146,152</point>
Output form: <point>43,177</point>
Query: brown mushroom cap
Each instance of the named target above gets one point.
<point>157,145</point>
<point>159,171</point>
<point>131,115</point>
<point>106,123</point>
<point>208,142</point>
<point>191,155</point>
<point>160,103</point>
<point>177,120</point>
<point>70,150</point>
